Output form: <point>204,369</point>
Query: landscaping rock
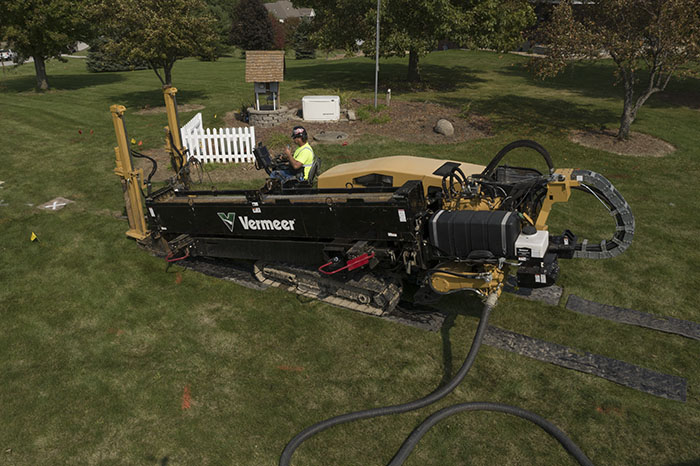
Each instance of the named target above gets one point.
<point>444,127</point>
<point>351,115</point>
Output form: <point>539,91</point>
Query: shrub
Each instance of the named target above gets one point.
<point>373,116</point>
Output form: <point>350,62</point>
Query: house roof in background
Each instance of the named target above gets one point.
<point>284,9</point>
<point>264,66</point>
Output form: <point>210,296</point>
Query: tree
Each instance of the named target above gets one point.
<point>98,61</point>
<point>648,40</point>
<point>160,32</point>
<point>223,12</point>
<point>44,29</point>
<point>279,38</point>
<point>252,28</point>
<point>416,26</point>
<point>304,47</point>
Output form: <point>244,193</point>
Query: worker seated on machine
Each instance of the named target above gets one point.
<point>300,163</point>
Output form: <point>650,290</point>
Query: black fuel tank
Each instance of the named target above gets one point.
<point>459,233</point>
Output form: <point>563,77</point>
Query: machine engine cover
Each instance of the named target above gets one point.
<point>464,232</point>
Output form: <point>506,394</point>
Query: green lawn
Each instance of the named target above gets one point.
<point>99,340</point>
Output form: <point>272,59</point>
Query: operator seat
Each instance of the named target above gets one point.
<point>313,171</point>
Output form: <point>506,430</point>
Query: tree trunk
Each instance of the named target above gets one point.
<point>42,82</point>
<point>155,67</point>
<point>626,122</point>
<point>628,110</point>
<point>168,71</point>
<point>413,72</point>
<point>657,83</point>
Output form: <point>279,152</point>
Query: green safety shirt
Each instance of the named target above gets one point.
<point>305,155</point>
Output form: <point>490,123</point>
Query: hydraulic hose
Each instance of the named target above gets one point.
<point>154,164</point>
<point>491,167</point>
<point>413,439</point>
<point>441,392</point>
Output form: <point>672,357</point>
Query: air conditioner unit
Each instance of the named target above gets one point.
<point>321,107</point>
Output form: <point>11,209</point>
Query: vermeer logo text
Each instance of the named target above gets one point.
<point>256,224</point>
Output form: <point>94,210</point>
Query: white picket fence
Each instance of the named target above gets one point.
<point>219,144</point>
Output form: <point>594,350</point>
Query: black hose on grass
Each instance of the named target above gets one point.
<point>418,433</point>
<point>441,392</point>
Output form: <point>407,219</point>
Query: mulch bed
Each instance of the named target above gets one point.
<point>638,144</point>
<point>407,121</point>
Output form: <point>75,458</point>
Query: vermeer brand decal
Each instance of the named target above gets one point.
<point>279,225</point>
<point>227,219</point>
<point>256,224</point>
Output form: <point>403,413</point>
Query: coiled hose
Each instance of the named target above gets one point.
<point>441,392</point>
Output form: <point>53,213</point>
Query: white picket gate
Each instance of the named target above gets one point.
<point>193,125</point>
<point>219,144</point>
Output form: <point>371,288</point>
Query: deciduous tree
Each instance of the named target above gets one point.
<point>252,28</point>
<point>416,26</point>
<point>648,40</point>
<point>44,29</point>
<point>160,32</point>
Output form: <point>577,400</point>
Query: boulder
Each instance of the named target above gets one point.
<point>444,127</point>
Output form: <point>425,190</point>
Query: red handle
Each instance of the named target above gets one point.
<point>352,264</point>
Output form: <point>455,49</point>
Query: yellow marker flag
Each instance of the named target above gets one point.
<point>34,237</point>
<point>215,115</point>
<point>133,141</point>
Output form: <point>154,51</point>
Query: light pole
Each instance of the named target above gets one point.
<point>376,55</point>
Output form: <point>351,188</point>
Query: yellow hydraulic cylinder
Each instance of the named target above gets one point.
<point>173,139</point>
<point>131,186</point>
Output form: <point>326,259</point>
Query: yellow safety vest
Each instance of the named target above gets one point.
<point>305,155</point>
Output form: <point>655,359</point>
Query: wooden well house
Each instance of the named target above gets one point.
<point>265,68</point>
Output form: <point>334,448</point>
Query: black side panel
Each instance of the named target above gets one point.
<point>297,252</point>
<point>459,233</point>
<point>291,228</point>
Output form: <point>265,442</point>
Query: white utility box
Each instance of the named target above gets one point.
<point>532,246</point>
<point>321,107</point>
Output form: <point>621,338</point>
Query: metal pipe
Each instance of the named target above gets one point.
<point>376,55</point>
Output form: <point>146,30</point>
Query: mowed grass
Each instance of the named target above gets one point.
<point>101,343</point>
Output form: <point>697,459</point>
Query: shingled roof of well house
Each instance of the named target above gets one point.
<point>264,66</point>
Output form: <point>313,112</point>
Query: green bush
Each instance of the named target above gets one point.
<point>373,116</point>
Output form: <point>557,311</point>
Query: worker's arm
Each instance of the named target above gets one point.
<point>295,164</point>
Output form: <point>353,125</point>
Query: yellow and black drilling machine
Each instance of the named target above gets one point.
<point>356,234</point>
